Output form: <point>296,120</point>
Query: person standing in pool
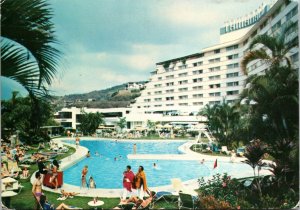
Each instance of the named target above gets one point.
<point>141,182</point>
<point>127,182</point>
<point>134,148</point>
<point>77,140</point>
<point>83,176</point>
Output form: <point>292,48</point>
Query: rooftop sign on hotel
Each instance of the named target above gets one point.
<point>247,20</point>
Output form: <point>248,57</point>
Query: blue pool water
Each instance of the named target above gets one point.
<point>108,173</point>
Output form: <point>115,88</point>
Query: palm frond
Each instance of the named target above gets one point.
<point>28,22</point>
<point>16,66</point>
<point>268,41</point>
<point>251,56</point>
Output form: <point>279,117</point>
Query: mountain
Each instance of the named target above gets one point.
<point>113,97</point>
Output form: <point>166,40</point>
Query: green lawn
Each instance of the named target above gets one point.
<point>25,199</point>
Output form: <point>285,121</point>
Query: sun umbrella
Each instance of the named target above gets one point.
<point>8,180</point>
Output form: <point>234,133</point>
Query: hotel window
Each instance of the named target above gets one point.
<point>215,86</point>
<point>157,99</point>
<point>198,63</point>
<point>159,105</point>
<point>169,104</point>
<point>149,93</point>
<point>197,80</point>
<point>231,84</point>
<point>214,102</point>
<point>245,42</point>
<point>217,51</point>
<point>235,74</point>
<point>183,97</point>
<point>182,89</point>
<point>197,88</point>
<point>214,77</point>
<point>158,92</point>
<point>214,60</point>
<point>182,67</point>
<point>215,94</point>
<point>170,98</point>
<point>197,103</point>
<point>170,84</point>
<point>183,82</point>
<point>231,101</point>
<point>197,72</point>
<point>276,26</point>
<point>295,57</point>
<point>234,56</point>
<point>159,78</point>
<point>147,100</point>
<point>183,74</point>
<point>197,95</point>
<point>183,104</point>
<point>233,47</point>
<point>147,106</point>
<point>232,66</point>
<point>217,68</point>
<point>157,85</point>
<point>170,77</point>
<point>292,13</point>
<point>170,91</point>
<point>233,92</point>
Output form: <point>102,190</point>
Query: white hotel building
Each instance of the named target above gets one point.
<point>180,87</point>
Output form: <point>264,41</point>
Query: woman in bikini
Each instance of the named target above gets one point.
<point>68,194</point>
<point>53,179</point>
<point>83,176</point>
<point>37,188</point>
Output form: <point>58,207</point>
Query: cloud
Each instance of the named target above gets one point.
<point>189,13</point>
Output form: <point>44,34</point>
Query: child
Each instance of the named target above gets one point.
<point>92,183</point>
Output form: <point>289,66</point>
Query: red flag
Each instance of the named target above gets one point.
<point>216,164</point>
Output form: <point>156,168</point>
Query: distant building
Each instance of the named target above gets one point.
<point>135,85</point>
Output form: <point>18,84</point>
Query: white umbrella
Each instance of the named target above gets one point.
<point>8,180</point>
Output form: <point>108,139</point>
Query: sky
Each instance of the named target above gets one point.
<point>111,42</point>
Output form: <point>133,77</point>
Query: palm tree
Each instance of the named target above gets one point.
<point>222,121</point>
<point>27,38</point>
<point>122,123</point>
<point>254,156</point>
<point>279,45</point>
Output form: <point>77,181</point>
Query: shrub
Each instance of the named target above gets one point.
<point>222,188</point>
<point>210,202</point>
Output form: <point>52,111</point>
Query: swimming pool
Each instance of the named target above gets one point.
<point>108,173</point>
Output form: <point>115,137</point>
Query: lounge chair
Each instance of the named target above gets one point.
<point>3,207</point>
<point>225,150</point>
<point>178,187</point>
<point>125,206</point>
<point>186,201</point>
<point>162,195</point>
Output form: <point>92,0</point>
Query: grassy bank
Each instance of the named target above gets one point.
<point>25,199</point>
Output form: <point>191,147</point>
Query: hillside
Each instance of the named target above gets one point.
<point>113,97</point>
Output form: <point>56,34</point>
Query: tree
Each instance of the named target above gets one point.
<point>17,114</point>
<point>122,123</point>
<point>223,120</point>
<point>151,126</point>
<point>278,45</point>
<point>89,122</point>
<point>274,111</point>
<point>28,55</point>
<point>254,155</point>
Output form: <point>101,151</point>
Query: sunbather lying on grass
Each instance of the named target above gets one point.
<point>68,194</point>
